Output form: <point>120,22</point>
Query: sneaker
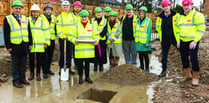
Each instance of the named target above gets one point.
<point>162,74</point>
<point>45,76</point>
<point>51,73</point>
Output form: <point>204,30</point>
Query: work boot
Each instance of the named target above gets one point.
<point>101,68</point>
<point>187,75</point>
<point>162,74</point>
<point>31,76</point>
<point>147,69</point>
<point>141,67</point>
<point>89,80</point>
<point>195,78</point>
<point>95,67</point>
<point>38,77</point>
<point>80,80</point>
<point>51,73</point>
<point>25,82</point>
<point>45,76</point>
<point>71,71</point>
<point>17,85</point>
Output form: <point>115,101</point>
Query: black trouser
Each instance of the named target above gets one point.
<point>49,52</point>
<point>144,55</point>
<point>165,49</point>
<point>18,67</point>
<point>79,63</point>
<point>186,52</point>
<point>69,51</point>
<point>41,61</point>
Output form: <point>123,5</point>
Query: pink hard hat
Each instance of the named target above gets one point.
<point>77,3</point>
<point>186,2</point>
<point>165,2</point>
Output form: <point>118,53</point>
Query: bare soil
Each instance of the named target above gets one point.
<point>127,74</point>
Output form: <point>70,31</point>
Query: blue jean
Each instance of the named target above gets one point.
<point>186,52</point>
<point>69,51</point>
<point>129,51</point>
<point>18,67</point>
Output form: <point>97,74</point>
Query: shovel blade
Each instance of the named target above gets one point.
<point>64,74</point>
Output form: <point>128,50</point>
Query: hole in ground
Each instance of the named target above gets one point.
<point>96,94</point>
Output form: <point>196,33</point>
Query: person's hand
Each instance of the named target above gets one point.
<point>111,39</point>
<point>76,42</point>
<point>30,47</point>
<point>178,45</point>
<point>9,50</point>
<point>193,45</point>
<point>45,45</point>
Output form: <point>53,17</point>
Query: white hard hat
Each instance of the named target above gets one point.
<point>34,7</point>
<point>65,3</point>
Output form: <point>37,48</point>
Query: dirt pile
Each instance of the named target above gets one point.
<point>127,74</point>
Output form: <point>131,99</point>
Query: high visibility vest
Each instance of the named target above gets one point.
<point>40,34</point>
<point>191,27</point>
<point>52,25</point>
<point>142,32</point>
<point>113,33</point>
<point>84,50</point>
<point>101,26</point>
<point>134,23</point>
<point>159,25</point>
<point>77,17</point>
<point>18,33</point>
<point>65,21</point>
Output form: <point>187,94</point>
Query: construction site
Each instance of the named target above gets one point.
<point>122,84</point>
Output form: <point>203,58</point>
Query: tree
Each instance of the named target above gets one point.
<point>179,8</point>
<point>146,3</point>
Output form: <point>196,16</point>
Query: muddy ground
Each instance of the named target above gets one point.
<point>5,62</point>
<point>174,91</point>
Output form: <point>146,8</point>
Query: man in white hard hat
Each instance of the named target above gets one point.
<point>41,39</point>
<point>64,23</point>
<point>17,36</point>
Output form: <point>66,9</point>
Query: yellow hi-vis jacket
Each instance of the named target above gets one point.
<point>101,26</point>
<point>142,32</point>
<point>84,50</point>
<point>64,23</point>
<point>18,32</point>
<point>52,25</point>
<point>115,32</point>
<point>134,23</point>
<point>159,24</point>
<point>40,34</point>
<point>191,27</point>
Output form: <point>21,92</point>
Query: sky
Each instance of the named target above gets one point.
<point>196,2</point>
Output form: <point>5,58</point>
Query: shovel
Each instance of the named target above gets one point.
<point>65,70</point>
<point>110,56</point>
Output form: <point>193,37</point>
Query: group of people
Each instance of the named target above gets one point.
<point>88,40</point>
